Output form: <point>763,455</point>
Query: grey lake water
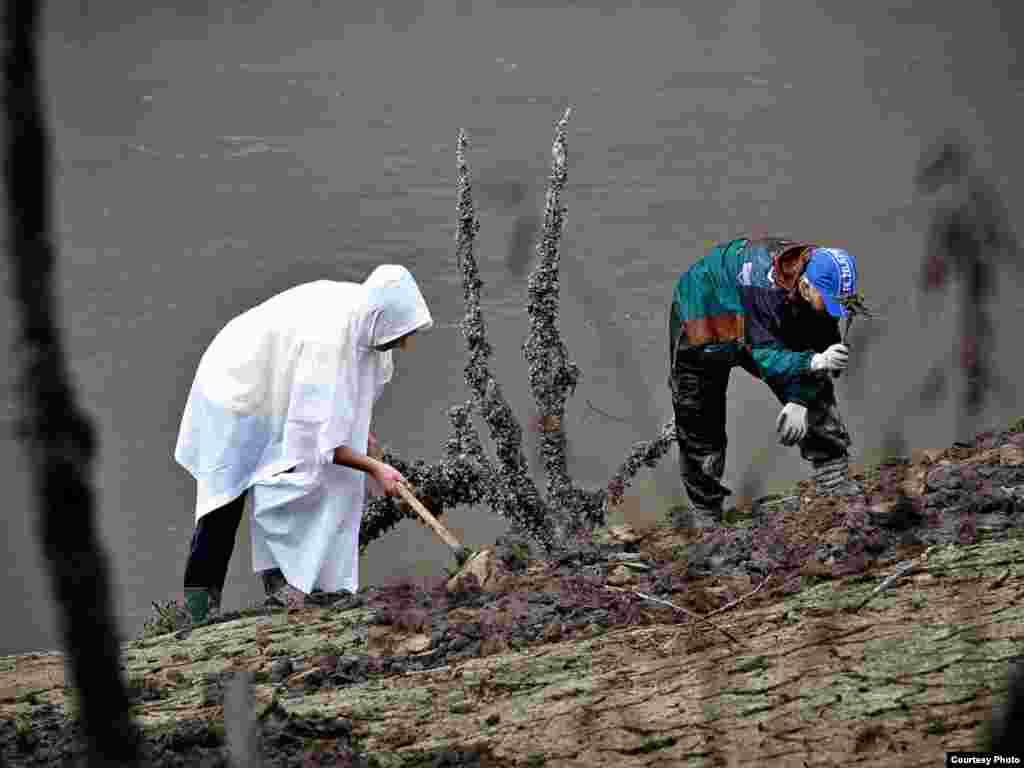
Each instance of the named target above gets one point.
<point>209,157</point>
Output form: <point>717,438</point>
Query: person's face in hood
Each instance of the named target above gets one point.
<point>812,296</point>
<point>402,343</point>
<point>396,307</point>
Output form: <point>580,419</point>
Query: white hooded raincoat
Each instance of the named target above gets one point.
<point>280,387</point>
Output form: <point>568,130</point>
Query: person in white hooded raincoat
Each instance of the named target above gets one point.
<point>279,412</point>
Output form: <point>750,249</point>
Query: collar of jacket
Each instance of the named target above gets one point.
<point>789,258</point>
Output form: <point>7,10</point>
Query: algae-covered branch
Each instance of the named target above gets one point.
<point>465,475</point>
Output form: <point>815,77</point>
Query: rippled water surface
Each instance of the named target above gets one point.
<point>210,158</point>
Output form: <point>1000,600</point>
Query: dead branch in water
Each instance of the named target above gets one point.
<point>514,494</point>
<point>465,475</point>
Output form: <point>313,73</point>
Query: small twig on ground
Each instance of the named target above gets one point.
<point>739,600</point>
<point>426,671</point>
<point>675,607</point>
<point>901,570</point>
<point>999,581</point>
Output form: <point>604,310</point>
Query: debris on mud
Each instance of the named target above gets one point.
<point>963,495</point>
<point>286,740</point>
<point>319,671</point>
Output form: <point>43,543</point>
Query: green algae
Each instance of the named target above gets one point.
<point>890,663</point>
<point>751,664</point>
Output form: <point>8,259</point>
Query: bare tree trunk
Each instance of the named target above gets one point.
<point>59,436</point>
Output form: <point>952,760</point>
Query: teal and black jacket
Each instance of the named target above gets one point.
<point>744,293</point>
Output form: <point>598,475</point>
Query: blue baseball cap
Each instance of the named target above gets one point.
<point>833,272</point>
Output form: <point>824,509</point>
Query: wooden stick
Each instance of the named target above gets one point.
<point>903,569</point>
<point>739,600</point>
<point>691,614</point>
<point>446,536</point>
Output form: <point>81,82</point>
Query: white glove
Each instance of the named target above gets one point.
<point>792,423</point>
<point>835,358</point>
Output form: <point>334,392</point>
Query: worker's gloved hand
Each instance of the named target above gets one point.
<point>388,478</point>
<point>792,423</point>
<point>835,358</point>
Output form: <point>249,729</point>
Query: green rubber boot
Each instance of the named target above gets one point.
<point>197,601</point>
<point>202,604</point>
<point>703,518</point>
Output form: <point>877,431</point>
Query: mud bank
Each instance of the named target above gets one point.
<point>797,659</point>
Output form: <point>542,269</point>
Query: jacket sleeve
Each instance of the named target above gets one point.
<point>782,352</point>
<point>775,362</point>
<point>787,373</point>
<point>777,357</point>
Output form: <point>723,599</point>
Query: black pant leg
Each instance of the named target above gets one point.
<point>699,386</point>
<point>827,438</point>
<point>213,541</point>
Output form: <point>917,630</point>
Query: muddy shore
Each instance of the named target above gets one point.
<point>775,646</point>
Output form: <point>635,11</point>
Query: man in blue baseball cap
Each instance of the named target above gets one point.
<point>770,306</point>
<point>833,274</point>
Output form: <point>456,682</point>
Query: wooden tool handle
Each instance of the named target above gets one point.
<point>446,536</point>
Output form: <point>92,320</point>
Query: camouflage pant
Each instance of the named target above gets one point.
<point>699,380</point>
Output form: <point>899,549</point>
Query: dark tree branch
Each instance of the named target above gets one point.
<point>59,436</point>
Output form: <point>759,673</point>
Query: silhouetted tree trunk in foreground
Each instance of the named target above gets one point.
<point>1008,723</point>
<point>59,436</point>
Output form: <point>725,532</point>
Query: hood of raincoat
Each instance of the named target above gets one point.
<point>394,305</point>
